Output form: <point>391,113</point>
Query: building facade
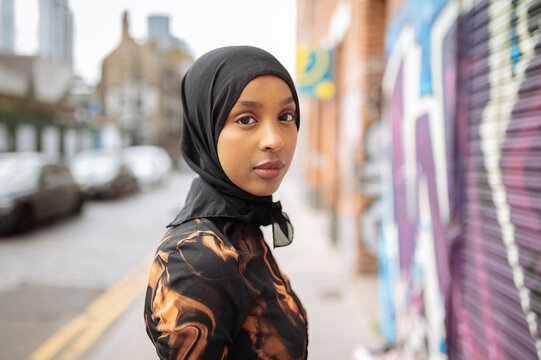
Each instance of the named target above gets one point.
<point>56,31</point>
<point>139,90</point>
<point>346,36</point>
<point>33,114</point>
<point>160,35</point>
<point>158,31</point>
<point>7,26</point>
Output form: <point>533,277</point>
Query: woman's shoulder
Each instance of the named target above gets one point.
<point>197,244</point>
<point>187,230</point>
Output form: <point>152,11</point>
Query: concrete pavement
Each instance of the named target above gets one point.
<point>342,307</point>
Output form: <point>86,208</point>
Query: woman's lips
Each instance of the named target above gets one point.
<point>270,169</point>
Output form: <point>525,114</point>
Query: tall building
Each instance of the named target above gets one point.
<point>56,31</point>
<point>158,31</point>
<point>7,26</point>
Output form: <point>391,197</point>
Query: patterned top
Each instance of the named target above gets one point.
<point>210,299</point>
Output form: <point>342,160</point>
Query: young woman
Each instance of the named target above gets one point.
<point>215,290</point>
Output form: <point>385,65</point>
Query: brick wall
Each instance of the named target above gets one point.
<point>335,128</point>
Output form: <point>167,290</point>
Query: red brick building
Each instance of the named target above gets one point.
<point>335,152</point>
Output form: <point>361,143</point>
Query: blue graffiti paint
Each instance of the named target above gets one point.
<point>515,51</point>
<point>388,270</point>
<point>421,15</point>
<point>312,62</point>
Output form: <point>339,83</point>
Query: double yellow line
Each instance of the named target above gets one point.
<point>76,337</point>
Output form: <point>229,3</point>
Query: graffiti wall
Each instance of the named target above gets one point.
<point>462,222</point>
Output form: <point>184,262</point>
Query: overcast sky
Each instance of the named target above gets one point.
<point>203,24</point>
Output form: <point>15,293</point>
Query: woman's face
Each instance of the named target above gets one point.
<point>257,142</point>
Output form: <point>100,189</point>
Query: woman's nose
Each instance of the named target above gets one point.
<point>271,137</point>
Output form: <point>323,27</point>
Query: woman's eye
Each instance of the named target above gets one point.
<point>287,117</point>
<point>246,120</point>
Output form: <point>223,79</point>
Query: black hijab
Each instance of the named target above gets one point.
<point>210,88</point>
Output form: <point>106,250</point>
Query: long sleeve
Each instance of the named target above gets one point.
<point>196,299</point>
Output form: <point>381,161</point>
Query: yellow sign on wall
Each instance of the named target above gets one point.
<point>315,72</point>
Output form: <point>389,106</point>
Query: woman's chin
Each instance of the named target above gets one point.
<point>265,189</point>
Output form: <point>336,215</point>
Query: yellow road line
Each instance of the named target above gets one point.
<point>55,343</point>
<point>76,337</point>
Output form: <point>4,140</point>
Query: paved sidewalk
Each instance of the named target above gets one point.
<point>342,308</point>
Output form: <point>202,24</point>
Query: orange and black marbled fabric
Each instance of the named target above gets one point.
<point>210,299</point>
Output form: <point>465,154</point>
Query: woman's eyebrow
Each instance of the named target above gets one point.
<point>248,103</point>
<point>287,101</point>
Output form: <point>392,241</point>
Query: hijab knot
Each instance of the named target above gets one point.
<point>204,201</point>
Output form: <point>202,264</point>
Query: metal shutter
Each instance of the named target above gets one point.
<point>500,270</point>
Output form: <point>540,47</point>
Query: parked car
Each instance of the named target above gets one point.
<point>150,164</point>
<point>103,174</point>
<point>34,189</point>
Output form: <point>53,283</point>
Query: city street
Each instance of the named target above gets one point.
<point>74,289</point>
<point>53,273</point>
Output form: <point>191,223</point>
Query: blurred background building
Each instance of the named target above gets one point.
<point>340,64</point>
<point>56,31</point>
<point>45,107</point>
<point>160,33</point>
<point>32,115</point>
<point>140,87</point>
<point>7,26</point>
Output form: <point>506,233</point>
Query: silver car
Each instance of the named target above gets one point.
<point>103,174</point>
<point>150,164</point>
<point>34,189</point>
